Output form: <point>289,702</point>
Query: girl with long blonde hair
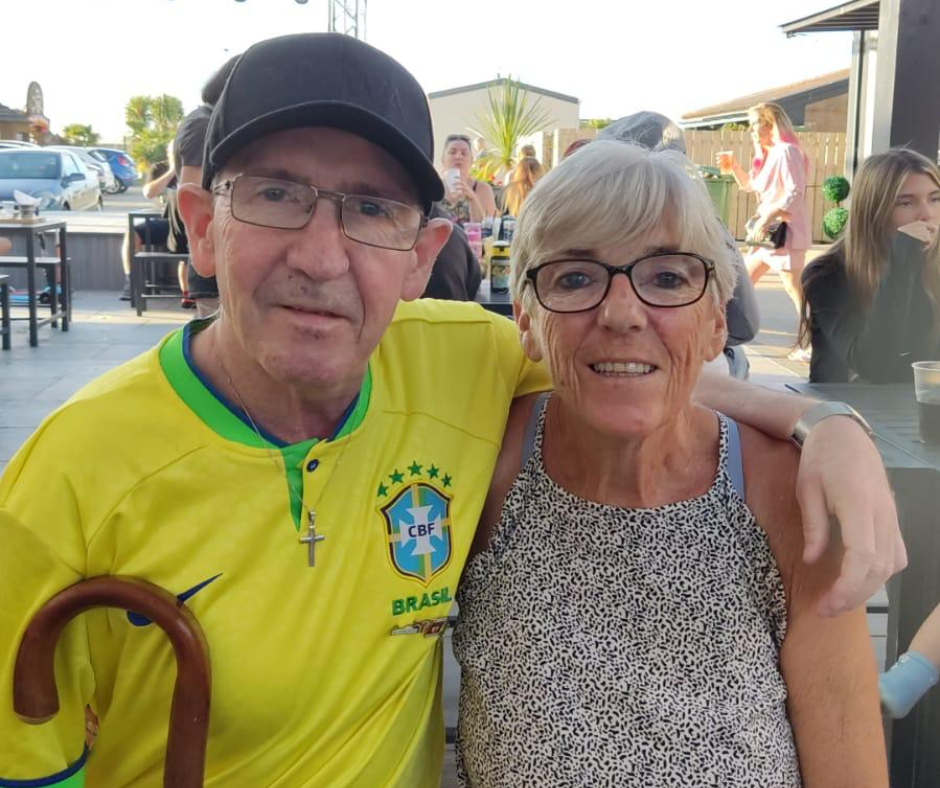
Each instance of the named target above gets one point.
<point>872,303</point>
<point>778,174</point>
<point>521,182</point>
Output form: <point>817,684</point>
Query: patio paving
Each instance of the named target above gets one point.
<point>104,333</point>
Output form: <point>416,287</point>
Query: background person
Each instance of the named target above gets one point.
<point>778,175</point>
<point>635,576</point>
<point>525,151</point>
<point>456,274</point>
<point>465,198</point>
<point>187,153</point>
<point>479,148</point>
<point>915,672</point>
<point>575,146</point>
<point>522,180</point>
<point>188,146</point>
<point>872,301</point>
<point>160,177</point>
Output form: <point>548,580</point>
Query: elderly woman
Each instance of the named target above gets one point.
<point>635,611</point>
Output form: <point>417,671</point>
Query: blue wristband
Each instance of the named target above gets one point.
<point>905,684</point>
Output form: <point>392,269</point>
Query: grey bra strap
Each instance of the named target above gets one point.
<point>735,462</point>
<point>528,442</point>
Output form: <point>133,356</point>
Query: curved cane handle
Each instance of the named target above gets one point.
<point>36,700</point>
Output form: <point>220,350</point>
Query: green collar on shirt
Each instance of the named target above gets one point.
<point>231,423</point>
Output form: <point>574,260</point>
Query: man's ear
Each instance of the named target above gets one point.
<point>195,205</point>
<point>527,339</point>
<point>430,242</point>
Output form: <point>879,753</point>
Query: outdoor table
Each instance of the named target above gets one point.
<point>60,295</point>
<point>5,328</point>
<point>500,303</point>
<point>914,470</point>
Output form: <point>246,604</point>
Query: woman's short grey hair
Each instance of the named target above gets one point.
<point>611,193</point>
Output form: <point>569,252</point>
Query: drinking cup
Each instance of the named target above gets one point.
<point>927,391</point>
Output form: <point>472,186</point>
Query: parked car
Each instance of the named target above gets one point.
<point>60,179</point>
<point>95,162</point>
<point>16,144</point>
<point>123,166</point>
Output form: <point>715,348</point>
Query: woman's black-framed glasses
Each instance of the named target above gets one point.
<point>287,205</point>
<point>662,279</point>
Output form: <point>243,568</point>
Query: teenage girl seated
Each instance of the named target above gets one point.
<point>871,305</point>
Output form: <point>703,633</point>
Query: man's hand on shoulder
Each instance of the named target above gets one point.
<point>841,476</point>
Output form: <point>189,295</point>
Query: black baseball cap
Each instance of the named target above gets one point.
<point>325,79</point>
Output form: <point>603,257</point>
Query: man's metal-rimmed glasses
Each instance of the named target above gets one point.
<point>287,205</point>
<point>662,279</point>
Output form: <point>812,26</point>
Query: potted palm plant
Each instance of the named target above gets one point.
<point>510,117</point>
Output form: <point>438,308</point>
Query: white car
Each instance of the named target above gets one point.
<point>96,163</point>
<point>57,178</point>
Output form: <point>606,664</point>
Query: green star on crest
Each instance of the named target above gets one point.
<point>432,472</point>
<point>397,477</point>
<point>383,490</point>
<point>414,468</point>
<point>447,480</point>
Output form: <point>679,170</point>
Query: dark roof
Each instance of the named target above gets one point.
<point>12,114</point>
<point>494,83</point>
<point>856,15</point>
<point>739,106</point>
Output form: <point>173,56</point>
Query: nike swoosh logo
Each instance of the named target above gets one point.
<point>142,621</point>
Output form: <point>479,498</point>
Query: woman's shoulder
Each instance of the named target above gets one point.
<point>785,149</point>
<point>508,466</point>
<point>785,155</point>
<point>829,267</point>
<point>770,471</point>
<point>763,454</point>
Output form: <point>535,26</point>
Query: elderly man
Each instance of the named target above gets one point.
<point>307,468</point>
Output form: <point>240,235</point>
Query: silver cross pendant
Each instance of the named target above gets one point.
<point>312,538</point>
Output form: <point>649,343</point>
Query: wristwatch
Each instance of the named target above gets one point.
<point>823,410</point>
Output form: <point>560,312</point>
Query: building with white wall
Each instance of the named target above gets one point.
<point>457,110</point>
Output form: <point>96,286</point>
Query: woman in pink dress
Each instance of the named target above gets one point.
<point>778,175</point>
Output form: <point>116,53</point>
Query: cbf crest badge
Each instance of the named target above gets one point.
<point>417,524</point>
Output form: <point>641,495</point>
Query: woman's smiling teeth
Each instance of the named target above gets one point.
<point>622,368</point>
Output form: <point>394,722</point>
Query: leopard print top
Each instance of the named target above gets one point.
<point>603,646</point>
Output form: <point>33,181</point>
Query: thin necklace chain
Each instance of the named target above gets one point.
<point>311,510</point>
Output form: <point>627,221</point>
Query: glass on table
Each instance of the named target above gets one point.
<point>927,391</point>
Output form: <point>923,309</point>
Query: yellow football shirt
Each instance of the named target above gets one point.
<point>325,676</point>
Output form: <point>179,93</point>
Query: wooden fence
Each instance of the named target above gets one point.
<point>826,152</point>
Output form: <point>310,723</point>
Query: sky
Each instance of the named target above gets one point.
<point>616,56</point>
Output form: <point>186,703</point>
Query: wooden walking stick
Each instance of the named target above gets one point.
<point>36,700</point>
